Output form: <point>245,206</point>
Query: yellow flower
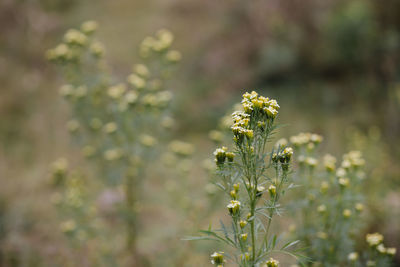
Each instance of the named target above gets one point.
<point>110,127</point>
<point>329,163</point>
<point>136,81</point>
<point>116,91</point>
<point>381,248</point>
<point>112,154</point>
<point>68,226</point>
<point>374,239</point>
<point>141,70</point>
<point>243,237</point>
<point>311,162</point>
<point>233,207</point>
<point>75,37</point>
<point>271,112</point>
<point>391,251</point>
<point>173,56</point>
<point>217,258</point>
<point>344,182</point>
<point>97,49</point>
<point>272,191</point>
<point>347,213</point>
<point>181,148</point>
<point>353,256</point>
<point>242,224</point>
<point>321,208</point>
<point>359,207</point>
<point>272,263</point>
<point>249,134</point>
<point>220,155</point>
<point>324,187</point>
<point>147,140</point>
<point>89,27</point>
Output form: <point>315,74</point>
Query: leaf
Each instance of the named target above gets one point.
<point>273,242</point>
<point>193,238</point>
<point>226,232</point>
<point>229,242</point>
<point>290,244</point>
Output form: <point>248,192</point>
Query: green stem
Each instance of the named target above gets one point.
<point>253,237</point>
<point>130,199</point>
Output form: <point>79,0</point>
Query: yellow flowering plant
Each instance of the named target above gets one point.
<point>254,180</point>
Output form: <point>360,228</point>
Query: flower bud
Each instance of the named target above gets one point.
<point>173,56</point>
<point>272,191</point>
<point>272,263</point>
<point>97,49</point>
<point>374,239</point>
<point>110,127</point>
<point>220,155</point>
<point>233,207</point>
<point>353,256</point>
<point>89,27</point>
<point>344,182</point>
<point>260,190</point>
<point>217,258</point>
<point>245,256</point>
<point>381,249</point>
<point>242,224</point>
<point>230,156</point>
<point>324,187</point>
<point>248,216</point>
<point>321,208</point>
<point>236,187</point>
<point>249,134</point>
<point>391,251</point>
<point>346,213</point>
<point>243,237</point>
<point>359,207</point>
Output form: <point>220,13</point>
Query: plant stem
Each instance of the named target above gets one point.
<point>130,199</point>
<point>253,237</point>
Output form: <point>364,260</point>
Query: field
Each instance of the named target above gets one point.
<point>200,133</point>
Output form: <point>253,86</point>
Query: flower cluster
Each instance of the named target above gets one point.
<point>283,156</point>
<point>222,155</point>
<point>160,43</point>
<point>374,239</point>
<point>181,148</point>
<point>259,113</point>
<point>353,159</point>
<point>308,140</point>
<point>252,103</point>
<point>75,42</point>
<point>377,254</point>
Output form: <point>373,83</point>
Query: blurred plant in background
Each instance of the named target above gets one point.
<point>329,216</point>
<point>111,120</point>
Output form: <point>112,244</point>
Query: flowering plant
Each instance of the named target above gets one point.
<point>254,192</point>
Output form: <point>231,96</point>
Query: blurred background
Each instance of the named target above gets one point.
<point>332,65</point>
